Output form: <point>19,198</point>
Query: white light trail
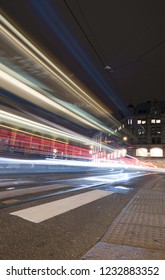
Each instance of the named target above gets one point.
<point>11,118</point>
<point>99,165</point>
<point>38,56</point>
<point>15,85</point>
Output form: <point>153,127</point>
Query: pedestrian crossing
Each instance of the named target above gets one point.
<point>40,213</point>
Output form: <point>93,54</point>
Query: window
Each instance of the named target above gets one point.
<point>156,152</point>
<point>141,121</point>
<point>129,121</point>
<point>155,121</point>
<point>153,140</point>
<point>141,152</point>
<point>141,131</point>
<point>158,140</point>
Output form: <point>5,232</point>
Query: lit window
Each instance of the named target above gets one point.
<point>139,131</point>
<point>158,121</point>
<point>143,122</point>
<point>129,121</point>
<point>156,152</point>
<point>139,121</point>
<point>153,121</point>
<point>119,128</point>
<point>141,152</point>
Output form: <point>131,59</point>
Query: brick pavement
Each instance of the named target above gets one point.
<point>138,233</point>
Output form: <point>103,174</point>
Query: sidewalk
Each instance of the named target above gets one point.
<point>138,233</point>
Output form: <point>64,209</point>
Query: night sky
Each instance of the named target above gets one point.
<point>87,35</point>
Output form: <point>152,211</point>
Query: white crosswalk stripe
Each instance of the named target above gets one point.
<point>40,213</point>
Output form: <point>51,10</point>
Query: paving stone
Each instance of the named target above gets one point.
<point>108,251</point>
<point>136,235</point>
<point>140,208</point>
<point>145,219</point>
<point>139,230</point>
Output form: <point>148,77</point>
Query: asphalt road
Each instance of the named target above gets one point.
<point>61,216</point>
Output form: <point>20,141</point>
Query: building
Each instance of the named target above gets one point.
<point>146,127</point>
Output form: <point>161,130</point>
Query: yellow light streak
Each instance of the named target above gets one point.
<point>40,127</point>
<point>64,79</point>
<point>16,119</point>
<point>35,96</point>
<point>32,134</point>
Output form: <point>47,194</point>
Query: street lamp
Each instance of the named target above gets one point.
<point>125,138</point>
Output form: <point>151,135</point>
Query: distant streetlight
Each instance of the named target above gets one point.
<point>125,138</point>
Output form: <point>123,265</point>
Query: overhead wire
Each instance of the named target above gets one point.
<point>89,41</point>
<point>139,38</point>
<point>90,29</point>
<point>78,23</point>
<point>100,49</point>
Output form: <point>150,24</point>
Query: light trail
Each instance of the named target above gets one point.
<point>16,86</point>
<point>78,163</point>
<point>73,185</point>
<point>11,118</point>
<point>31,50</point>
<point>55,23</point>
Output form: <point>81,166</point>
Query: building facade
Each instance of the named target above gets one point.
<point>146,126</point>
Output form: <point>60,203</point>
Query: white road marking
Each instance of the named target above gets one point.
<point>37,214</point>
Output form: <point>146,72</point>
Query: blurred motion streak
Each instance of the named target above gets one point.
<point>10,83</point>
<point>10,80</point>
<point>57,94</point>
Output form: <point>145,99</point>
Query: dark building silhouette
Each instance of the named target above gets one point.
<point>146,129</point>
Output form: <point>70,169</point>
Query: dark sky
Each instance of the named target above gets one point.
<point>85,36</point>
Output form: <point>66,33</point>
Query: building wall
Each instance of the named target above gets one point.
<point>147,126</point>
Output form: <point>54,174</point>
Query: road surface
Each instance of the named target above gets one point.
<point>62,216</point>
